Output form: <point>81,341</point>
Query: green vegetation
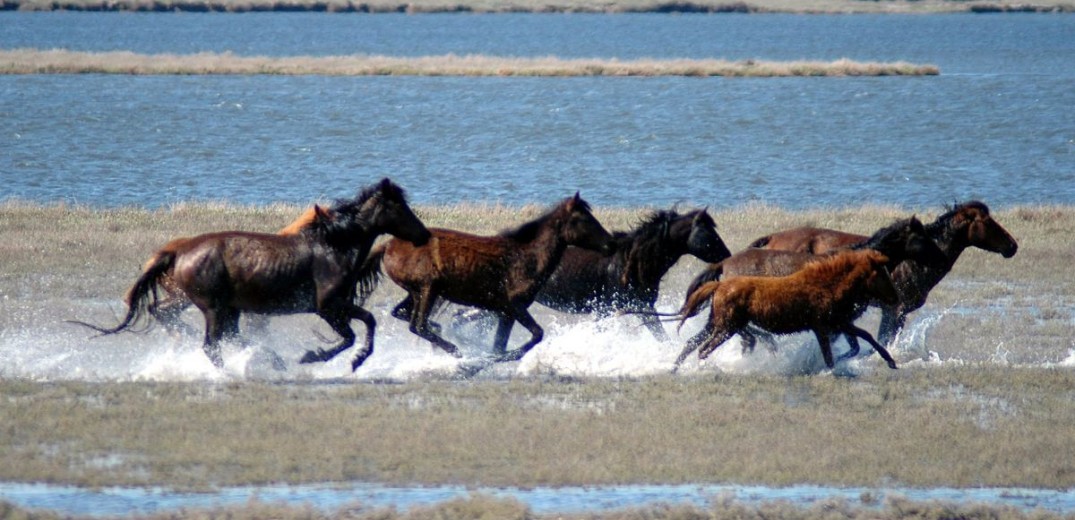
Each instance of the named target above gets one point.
<point>552,6</point>
<point>30,61</point>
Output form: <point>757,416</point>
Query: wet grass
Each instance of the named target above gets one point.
<point>962,427</point>
<point>33,61</point>
<point>966,424</point>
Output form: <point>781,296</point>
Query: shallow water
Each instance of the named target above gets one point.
<point>541,500</point>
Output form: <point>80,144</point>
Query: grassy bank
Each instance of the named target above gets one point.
<point>32,61</point>
<point>967,424</point>
<point>553,6</point>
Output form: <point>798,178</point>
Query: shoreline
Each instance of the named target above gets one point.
<point>58,61</point>
<point>562,6</point>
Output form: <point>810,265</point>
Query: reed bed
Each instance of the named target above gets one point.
<point>552,6</point>
<point>58,61</point>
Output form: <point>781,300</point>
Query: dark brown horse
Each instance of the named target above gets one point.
<point>501,273</point>
<point>587,281</point>
<point>822,297</point>
<point>168,308</point>
<point>316,270</point>
<point>905,239</point>
<point>962,226</point>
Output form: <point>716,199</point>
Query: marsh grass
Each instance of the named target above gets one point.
<point>967,424</point>
<point>32,61</point>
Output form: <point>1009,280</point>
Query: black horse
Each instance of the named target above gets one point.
<point>628,280</point>
<point>317,270</point>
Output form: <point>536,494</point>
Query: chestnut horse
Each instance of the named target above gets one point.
<point>905,239</point>
<point>501,273</point>
<point>962,226</point>
<point>822,297</point>
<point>628,280</point>
<point>317,270</point>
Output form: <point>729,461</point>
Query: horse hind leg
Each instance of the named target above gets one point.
<point>220,324</point>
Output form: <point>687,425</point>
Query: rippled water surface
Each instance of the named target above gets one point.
<point>996,124</point>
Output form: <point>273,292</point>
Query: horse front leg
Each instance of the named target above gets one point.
<point>422,327</point>
<point>892,321</point>
<point>852,342</point>
<point>824,341</point>
<point>850,330</point>
<point>340,321</point>
<point>527,321</point>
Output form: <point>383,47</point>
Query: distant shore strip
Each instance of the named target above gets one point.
<point>32,61</point>
<point>553,6</point>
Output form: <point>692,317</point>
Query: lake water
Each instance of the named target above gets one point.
<point>997,124</point>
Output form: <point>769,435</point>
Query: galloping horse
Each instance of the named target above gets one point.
<point>316,270</point>
<point>501,273</point>
<point>822,297</point>
<point>962,226</point>
<point>905,239</point>
<point>169,308</point>
<point>628,280</point>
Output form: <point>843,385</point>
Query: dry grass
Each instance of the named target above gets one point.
<point>33,61</point>
<point>568,6</point>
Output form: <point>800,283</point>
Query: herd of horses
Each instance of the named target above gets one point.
<point>327,263</point>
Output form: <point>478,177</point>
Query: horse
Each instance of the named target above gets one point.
<point>822,297</point>
<point>501,273</point>
<point>587,281</point>
<point>318,270</point>
<point>167,310</point>
<point>963,225</point>
<point>904,239</point>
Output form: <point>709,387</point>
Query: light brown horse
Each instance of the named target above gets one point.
<point>317,270</point>
<point>904,239</point>
<point>822,297</point>
<point>962,226</point>
<point>500,273</point>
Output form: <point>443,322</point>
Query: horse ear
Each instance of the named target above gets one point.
<point>320,214</point>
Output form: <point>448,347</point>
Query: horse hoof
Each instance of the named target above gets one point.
<point>310,357</point>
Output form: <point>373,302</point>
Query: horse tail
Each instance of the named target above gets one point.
<point>710,274</point>
<point>761,242</point>
<point>369,274</point>
<point>142,294</point>
<point>696,300</point>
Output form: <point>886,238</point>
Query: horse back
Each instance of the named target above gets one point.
<point>454,261</point>
<point>808,239</point>
<point>765,262</point>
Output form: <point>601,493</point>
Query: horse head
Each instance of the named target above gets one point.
<point>982,231</point>
<point>703,241</point>
<point>879,283</point>
<point>581,229</point>
<point>384,208</point>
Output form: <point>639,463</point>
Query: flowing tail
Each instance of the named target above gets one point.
<point>696,300</point>
<point>369,275</point>
<point>712,273</point>
<point>142,294</point>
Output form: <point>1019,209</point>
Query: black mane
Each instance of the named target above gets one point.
<point>880,235</point>
<point>944,221</point>
<point>528,232</point>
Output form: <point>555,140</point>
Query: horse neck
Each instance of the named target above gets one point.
<point>543,250</point>
<point>645,265</point>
